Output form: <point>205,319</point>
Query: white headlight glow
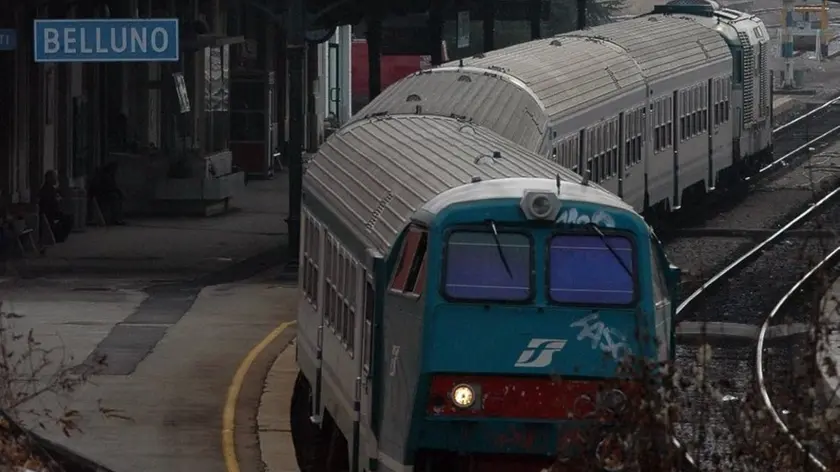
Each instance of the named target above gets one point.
<point>463,396</point>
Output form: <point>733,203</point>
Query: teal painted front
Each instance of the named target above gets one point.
<point>491,338</point>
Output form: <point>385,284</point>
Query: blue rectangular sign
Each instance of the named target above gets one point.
<point>8,39</point>
<point>107,40</point>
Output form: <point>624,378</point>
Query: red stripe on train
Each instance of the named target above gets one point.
<point>542,398</point>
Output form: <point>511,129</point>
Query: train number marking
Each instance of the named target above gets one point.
<point>573,216</point>
<point>540,352</point>
<point>395,355</point>
<point>608,340</point>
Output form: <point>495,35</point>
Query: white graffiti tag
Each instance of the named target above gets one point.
<point>574,217</point>
<point>611,341</point>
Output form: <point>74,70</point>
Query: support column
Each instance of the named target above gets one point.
<point>295,53</point>
<point>435,31</point>
<point>314,122</point>
<point>345,67</point>
<point>581,14</point>
<point>787,42</point>
<point>488,22</point>
<point>534,14</point>
<point>374,43</point>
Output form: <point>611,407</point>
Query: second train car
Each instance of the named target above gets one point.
<point>460,296</point>
<point>657,109</point>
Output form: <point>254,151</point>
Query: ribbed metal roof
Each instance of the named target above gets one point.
<point>376,173</point>
<point>516,91</point>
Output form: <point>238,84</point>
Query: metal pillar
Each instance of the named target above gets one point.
<point>534,13</point>
<point>296,55</point>
<point>488,21</point>
<point>581,14</point>
<point>787,42</point>
<point>435,31</point>
<point>374,43</point>
<point>313,116</point>
<point>345,91</point>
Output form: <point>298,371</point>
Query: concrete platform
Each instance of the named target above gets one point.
<point>176,396</point>
<point>828,345</point>
<point>174,248</point>
<point>277,450</point>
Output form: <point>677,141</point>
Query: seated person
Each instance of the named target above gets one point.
<point>103,188</point>
<point>49,202</point>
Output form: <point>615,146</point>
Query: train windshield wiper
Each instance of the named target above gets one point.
<point>499,248</point>
<point>600,234</point>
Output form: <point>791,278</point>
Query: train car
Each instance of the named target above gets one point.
<point>656,109</point>
<point>458,294</point>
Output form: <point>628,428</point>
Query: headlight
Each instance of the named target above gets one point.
<point>463,396</point>
<point>541,206</point>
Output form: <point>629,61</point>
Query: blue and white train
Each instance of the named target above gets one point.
<point>449,278</point>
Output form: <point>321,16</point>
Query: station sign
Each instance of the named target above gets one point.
<point>8,39</point>
<point>107,40</point>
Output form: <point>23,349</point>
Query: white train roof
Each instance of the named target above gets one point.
<point>517,90</point>
<point>375,174</point>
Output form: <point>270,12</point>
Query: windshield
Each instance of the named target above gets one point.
<point>476,270</point>
<point>583,270</point>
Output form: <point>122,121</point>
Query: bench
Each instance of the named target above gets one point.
<point>25,224</point>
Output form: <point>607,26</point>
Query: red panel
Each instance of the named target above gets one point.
<point>412,239</point>
<point>250,157</point>
<point>520,397</point>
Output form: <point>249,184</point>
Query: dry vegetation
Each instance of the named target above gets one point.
<point>30,372</point>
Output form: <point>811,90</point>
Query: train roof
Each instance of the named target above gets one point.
<point>556,76</point>
<point>375,174</point>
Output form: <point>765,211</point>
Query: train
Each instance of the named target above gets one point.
<point>660,109</point>
<point>475,262</point>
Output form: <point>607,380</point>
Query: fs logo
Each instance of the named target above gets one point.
<point>540,352</point>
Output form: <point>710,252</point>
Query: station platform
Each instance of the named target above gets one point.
<point>828,344</point>
<point>174,306</point>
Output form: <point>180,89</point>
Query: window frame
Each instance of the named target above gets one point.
<point>402,289</point>
<point>532,282</point>
<point>608,232</point>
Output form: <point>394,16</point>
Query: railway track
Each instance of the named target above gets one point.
<point>793,139</point>
<point>719,328</point>
<point>794,405</point>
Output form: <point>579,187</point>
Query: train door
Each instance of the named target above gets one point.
<point>622,139</point>
<point>661,304</point>
<point>370,386</point>
<point>676,142</point>
<point>710,93</point>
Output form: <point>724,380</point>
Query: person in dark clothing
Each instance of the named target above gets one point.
<point>104,189</point>
<point>49,203</point>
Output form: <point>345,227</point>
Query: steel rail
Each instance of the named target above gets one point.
<point>744,259</point>
<point>796,151</point>
<point>756,250</point>
<point>806,115</point>
<point>759,358</point>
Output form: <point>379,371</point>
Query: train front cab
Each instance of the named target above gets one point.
<point>491,351</point>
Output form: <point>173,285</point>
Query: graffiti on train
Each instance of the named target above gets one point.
<point>609,340</point>
<point>574,216</point>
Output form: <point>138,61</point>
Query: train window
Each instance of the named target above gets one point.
<point>311,261</point>
<point>581,272</point>
<point>412,261</point>
<point>330,272</point>
<point>369,302</point>
<point>738,65</point>
<point>475,271</point>
<point>656,140</point>
<point>348,318</point>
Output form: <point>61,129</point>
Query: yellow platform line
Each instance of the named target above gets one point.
<point>229,412</point>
